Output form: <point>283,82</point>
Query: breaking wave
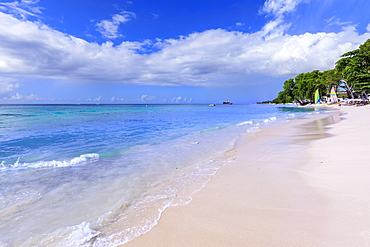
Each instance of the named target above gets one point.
<point>82,159</point>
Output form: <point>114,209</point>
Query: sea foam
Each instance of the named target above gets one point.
<point>82,159</point>
<point>245,123</point>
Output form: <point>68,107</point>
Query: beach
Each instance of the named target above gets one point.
<point>101,175</point>
<point>300,183</point>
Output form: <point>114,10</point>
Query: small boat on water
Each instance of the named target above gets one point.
<point>211,105</point>
<point>227,102</point>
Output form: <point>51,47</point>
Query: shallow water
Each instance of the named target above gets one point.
<point>100,175</point>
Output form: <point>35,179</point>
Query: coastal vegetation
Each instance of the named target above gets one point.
<point>353,67</point>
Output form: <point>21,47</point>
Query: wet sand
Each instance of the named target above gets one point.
<point>301,183</point>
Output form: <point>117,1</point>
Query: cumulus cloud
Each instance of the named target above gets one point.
<point>180,99</point>
<point>146,98</point>
<point>109,28</point>
<point>210,58</point>
<point>218,56</point>
<point>20,97</point>
<point>33,49</point>
<point>116,99</point>
<point>7,86</point>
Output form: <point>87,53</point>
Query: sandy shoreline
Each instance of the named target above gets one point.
<point>304,183</point>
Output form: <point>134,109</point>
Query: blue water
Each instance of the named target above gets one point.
<point>100,175</point>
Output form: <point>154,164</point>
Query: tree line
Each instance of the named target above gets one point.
<point>353,67</point>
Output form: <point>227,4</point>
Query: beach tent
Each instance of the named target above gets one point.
<point>317,97</point>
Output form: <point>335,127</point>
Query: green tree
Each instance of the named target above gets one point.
<point>307,84</point>
<point>354,67</point>
<point>286,95</point>
<point>302,88</point>
<point>331,78</point>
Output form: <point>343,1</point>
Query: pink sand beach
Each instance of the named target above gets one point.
<point>301,183</point>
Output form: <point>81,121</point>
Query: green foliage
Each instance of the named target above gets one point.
<point>354,67</point>
<point>331,77</point>
<point>302,88</point>
<point>286,96</point>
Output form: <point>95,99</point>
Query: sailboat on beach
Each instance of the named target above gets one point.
<point>333,97</point>
<point>317,97</point>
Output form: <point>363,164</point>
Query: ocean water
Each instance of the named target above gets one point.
<point>101,175</point>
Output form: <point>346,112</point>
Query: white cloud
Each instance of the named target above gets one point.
<point>23,8</point>
<point>109,28</point>
<point>220,57</point>
<point>279,7</point>
<point>337,21</point>
<point>115,99</point>
<point>7,85</point>
<point>20,97</point>
<point>146,98</point>
<point>29,48</point>
<point>155,16</point>
<point>210,58</point>
<point>97,99</point>
<point>180,99</point>
<point>274,29</point>
<point>368,28</point>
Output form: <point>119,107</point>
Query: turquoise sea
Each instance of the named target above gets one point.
<point>101,175</point>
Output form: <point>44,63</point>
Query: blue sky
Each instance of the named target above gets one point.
<point>194,51</point>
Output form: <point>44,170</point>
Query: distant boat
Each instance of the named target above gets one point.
<point>227,102</point>
<point>211,105</point>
